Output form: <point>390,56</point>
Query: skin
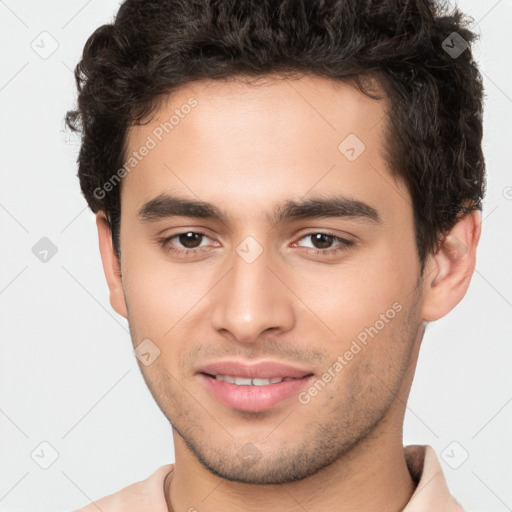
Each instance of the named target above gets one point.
<point>247,148</point>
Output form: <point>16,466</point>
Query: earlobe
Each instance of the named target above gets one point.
<point>111,265</point>
<point>449,270</point>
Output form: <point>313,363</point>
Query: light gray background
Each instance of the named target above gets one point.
<point>67,372</point>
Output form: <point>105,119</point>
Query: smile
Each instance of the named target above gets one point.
<point>244,381</point>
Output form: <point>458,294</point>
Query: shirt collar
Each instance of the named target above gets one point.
<point>432,493</point>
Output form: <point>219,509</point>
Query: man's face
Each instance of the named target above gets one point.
<point>334,299</point>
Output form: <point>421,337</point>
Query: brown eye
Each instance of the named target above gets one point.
<point>322,243</point>
<point>186,243</point>
<point>322,240</point>
<point>190,240</point>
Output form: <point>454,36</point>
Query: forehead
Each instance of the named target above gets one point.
<point>249,145</point>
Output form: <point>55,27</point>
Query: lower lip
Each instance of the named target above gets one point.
<point>253,398</point>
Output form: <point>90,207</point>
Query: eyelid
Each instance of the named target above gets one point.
<point>344,235</point>
<point>342,245</point>
<point>167,238</point>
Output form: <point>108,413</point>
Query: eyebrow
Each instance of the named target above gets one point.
<point>165,206</point>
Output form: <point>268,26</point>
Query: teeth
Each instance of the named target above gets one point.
<point>244,381</point>
<point>261,382</point>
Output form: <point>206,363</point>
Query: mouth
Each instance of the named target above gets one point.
<point>246,381</point>
<point>253,388</point>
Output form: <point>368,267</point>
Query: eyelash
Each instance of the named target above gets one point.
<point>344,244</point>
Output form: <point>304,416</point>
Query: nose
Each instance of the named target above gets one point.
<point>253,297</point>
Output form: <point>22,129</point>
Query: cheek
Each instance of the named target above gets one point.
<point>355,295</point>
<point>163,298</point>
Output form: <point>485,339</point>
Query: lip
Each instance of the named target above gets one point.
<point>261,370</point>
<point>253,398</point>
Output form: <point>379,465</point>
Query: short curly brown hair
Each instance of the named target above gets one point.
<point>154,47</point>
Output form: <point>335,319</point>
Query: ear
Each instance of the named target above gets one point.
<point>111,266</point>
<point>449,270</point>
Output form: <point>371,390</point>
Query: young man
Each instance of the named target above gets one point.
<point>286,193</point>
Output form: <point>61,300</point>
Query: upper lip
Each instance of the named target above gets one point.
<point>258,370</point>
